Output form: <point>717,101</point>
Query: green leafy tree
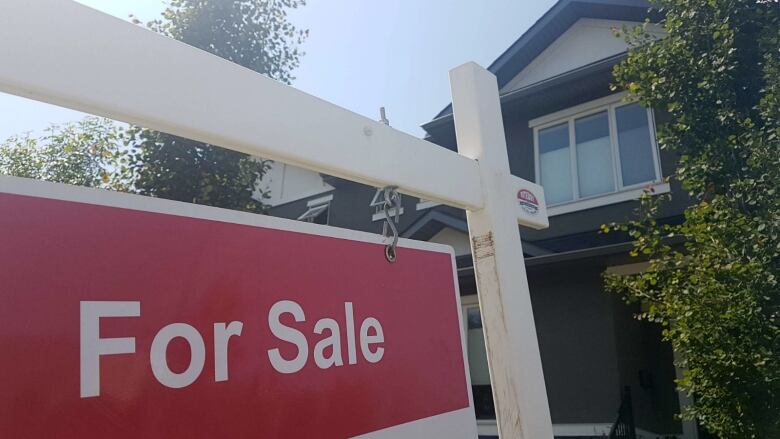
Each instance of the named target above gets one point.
<point>253,33</point>
<point>85,153</point>
<point>716,294</point>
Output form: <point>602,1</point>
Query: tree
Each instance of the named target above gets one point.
<point>85,153</point>
<point>253,33</point>
<point>717,74</point>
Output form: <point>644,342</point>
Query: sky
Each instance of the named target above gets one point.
<point>360,54</point>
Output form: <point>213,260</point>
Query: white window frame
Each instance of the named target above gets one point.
<point>320,200</point>
<point>466,302</point>
<point>621,193</point>
<point>315,208</point>
<point>426,204</point>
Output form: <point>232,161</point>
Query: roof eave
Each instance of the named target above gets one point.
<point>540,86</point>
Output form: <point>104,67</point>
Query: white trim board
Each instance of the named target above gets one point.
<point>577,109</point>
<point>320,200</point>
<point>381,214</point>
<point>605,200</point>
<point>425,204</point>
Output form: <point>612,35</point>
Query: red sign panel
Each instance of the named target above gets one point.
<point>128,317</point>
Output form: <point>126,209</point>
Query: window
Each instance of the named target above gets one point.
<point>635,144</point>
<point>555,159</point>
<point>475,343</point>
<point>316,214</point>
<point>593,150</point>
<point>594,155</point>
<point>318,211</point>
<point>478,366</point>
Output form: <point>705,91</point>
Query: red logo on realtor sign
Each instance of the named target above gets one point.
<point>127,323</point>
<point>527,200</point>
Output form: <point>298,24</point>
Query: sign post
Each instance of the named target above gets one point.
<point>504,297</point>
<point>98,64</point>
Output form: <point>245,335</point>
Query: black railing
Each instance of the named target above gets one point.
<point>624,428</point>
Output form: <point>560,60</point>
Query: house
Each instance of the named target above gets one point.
<point>594,153</point>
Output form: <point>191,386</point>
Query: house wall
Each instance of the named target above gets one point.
<point>287,183</point>
<point>577,342</point>
<point>592,347</point>
<point>458,240</point>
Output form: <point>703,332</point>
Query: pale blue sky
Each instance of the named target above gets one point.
<point>361,54</point>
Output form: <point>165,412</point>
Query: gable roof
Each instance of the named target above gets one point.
<point>551,26</point>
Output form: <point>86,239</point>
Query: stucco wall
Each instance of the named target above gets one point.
<point>592,348</point>
<point>577,344</point>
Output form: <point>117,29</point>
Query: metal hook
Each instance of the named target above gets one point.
<point>392,201</point>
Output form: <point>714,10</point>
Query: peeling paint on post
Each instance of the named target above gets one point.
<point>482,246</point>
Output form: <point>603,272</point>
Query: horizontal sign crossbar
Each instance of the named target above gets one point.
<point>99,64</point>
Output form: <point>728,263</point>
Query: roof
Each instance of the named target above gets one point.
<point>551,26</point>
<point>435,220</point>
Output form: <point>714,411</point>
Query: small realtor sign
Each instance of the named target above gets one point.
<point>131,317</point>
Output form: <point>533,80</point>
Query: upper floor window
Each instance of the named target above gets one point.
<point>594,150</point>
<point>317,210</point>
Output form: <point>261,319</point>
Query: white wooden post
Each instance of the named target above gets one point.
<point>504,298</point>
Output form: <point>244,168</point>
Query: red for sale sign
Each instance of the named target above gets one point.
<point>131,317</point>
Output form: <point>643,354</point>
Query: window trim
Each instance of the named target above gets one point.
<point>381,214</point>
<point>621,193</point>
<point>320,200</point>
<point>313,210</point>
<point>607,199</point>
<point>426,204</point>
